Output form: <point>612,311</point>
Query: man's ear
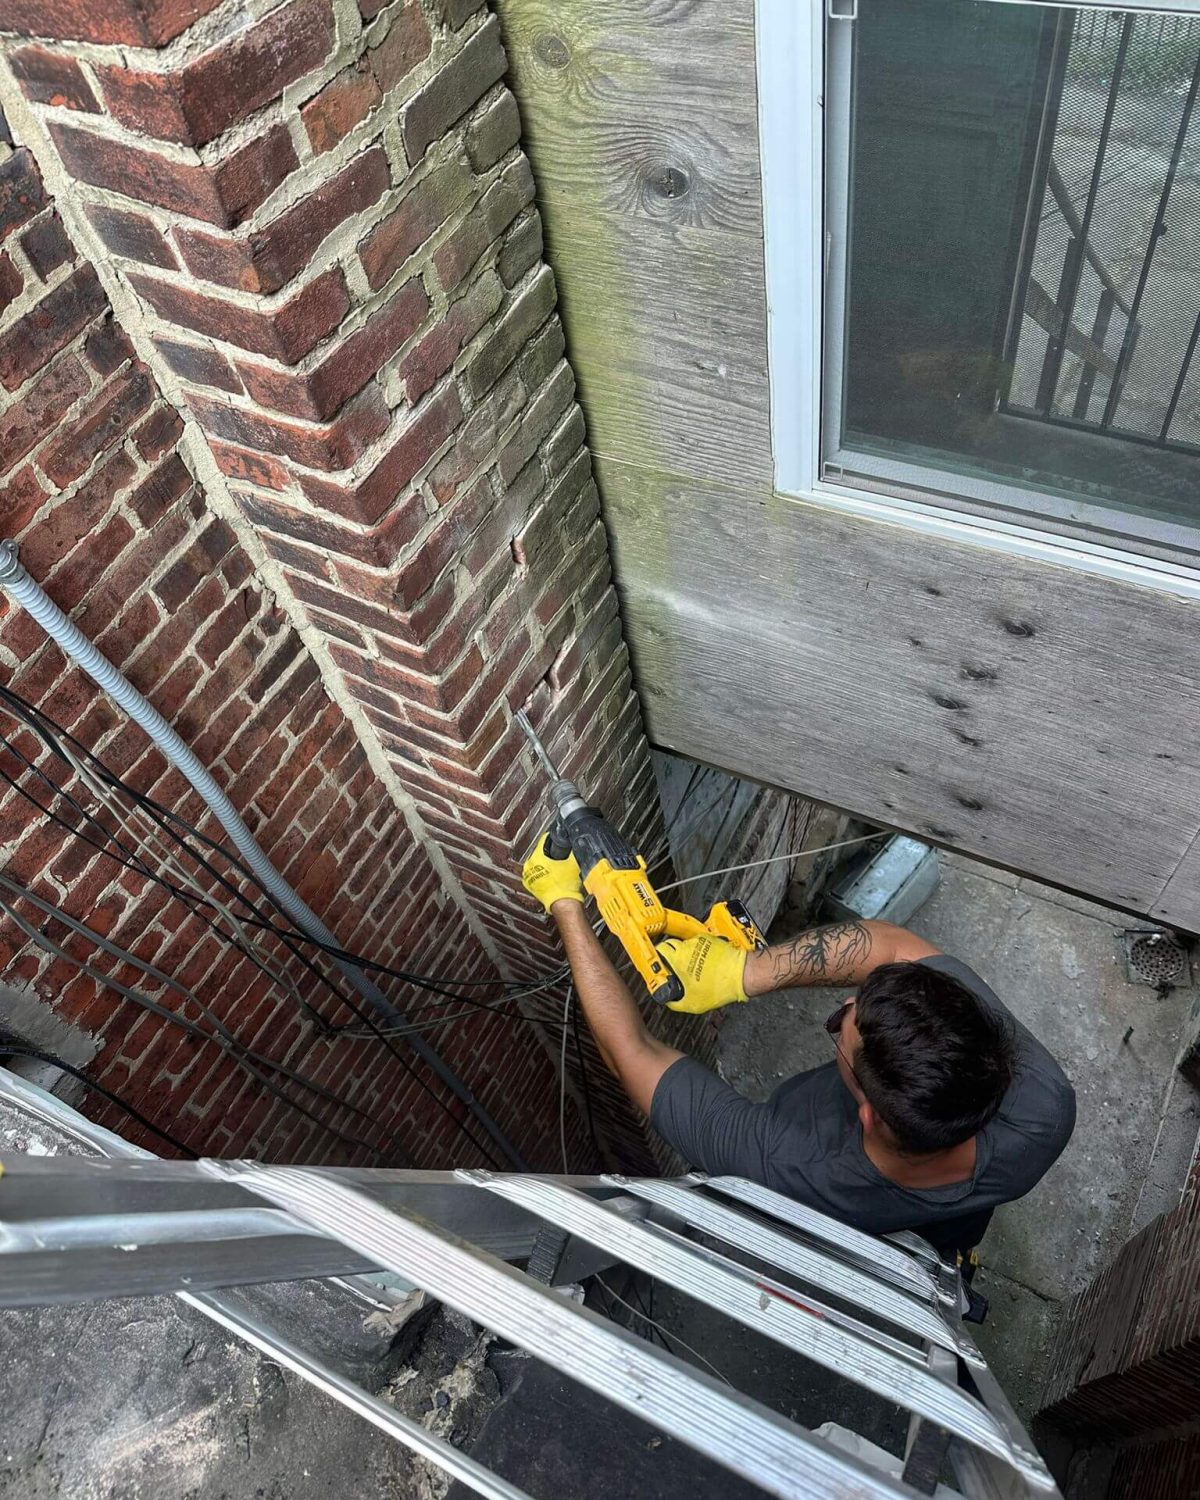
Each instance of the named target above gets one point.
<point>867,1118</point>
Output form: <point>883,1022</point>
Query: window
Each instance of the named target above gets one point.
<point>1004,308</point>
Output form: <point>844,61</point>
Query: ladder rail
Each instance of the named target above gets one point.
<point>690,1405</point>
<point>769,1309</point>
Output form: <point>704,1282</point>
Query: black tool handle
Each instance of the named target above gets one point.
<point>558,840</point>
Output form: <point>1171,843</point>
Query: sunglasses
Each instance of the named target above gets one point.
<point>834,1027</point>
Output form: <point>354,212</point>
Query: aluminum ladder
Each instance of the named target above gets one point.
<point>882,1313</point>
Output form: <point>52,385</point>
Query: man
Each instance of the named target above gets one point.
<point>936,1107</point>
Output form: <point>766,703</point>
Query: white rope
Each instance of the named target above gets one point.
<point>753,864</point>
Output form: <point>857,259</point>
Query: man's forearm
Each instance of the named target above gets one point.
<point>625,1042</point>
<point>840,953</point>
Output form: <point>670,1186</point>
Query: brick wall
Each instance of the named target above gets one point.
<point>314,225</point>
<point>1125,1367</point>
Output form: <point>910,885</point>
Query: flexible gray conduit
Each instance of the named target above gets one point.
<point>30,595</point>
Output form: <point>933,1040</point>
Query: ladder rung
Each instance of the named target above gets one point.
<point>884,1260</point>
<point>729,1428</point>
<point>730,1289</point>
<point>800,1260</point>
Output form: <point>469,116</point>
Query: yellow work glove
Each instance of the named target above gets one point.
<point>549,880</point>
<point>711,969</point>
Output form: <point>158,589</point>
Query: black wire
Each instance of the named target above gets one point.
<point>362,1015</point>
<point>584,1077</point>
<point>20,1049</point>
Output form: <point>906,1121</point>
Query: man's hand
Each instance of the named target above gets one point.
<point>711,970</point>
<point>549,880</point>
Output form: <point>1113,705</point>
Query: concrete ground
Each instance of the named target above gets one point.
<point>1057,962</point>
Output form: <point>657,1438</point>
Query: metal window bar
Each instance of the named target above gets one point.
<point>919,1354</point>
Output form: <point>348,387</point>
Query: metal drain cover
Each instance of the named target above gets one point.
<point>1155,958</point>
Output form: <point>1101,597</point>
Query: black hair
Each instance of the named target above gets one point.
<point>934,1062</point>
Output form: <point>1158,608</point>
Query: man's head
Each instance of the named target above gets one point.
<point>928,1059</point>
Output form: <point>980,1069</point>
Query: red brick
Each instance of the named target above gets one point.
<point>377,548</point>
<point>406,44</point>
<point>101,425</point>
<point>159,433</point>
<point>155,495</point>
<point>27,421</point>
<point>133,236</point>
<point>223,194</point>
<point>107,347</point>
<point>425,365</point>
<point>34,340</point>
<point>254,468</point>
<point>198,365</point>
<point>225,84</point>
<point>144,23</point>
<point>21,194</point>
<point>452,91</point>
<point>78,518</point>
<point>425,208</point>
<point>269,258</point>
<point>46,246</point>
<point>286,334</point>
<point>370,497</point>
<point>51,78</point>
<point>21,497</point>
<point>348,368</point>
<point>343,103</point>
<point>335,445</point>
<point>11,281</point>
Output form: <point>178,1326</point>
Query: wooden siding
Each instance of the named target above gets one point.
<point>1024,712</point>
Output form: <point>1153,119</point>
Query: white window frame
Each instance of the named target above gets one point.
<point>793,126</point>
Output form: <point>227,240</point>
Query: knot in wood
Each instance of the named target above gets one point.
<point>552,50</point>
<point>668,182</point>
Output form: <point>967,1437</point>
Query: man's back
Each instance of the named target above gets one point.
<point>807,1140</point>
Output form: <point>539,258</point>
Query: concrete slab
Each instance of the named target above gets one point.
<point>1056,961</point>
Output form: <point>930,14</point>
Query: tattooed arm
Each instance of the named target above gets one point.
<point>841,953</point>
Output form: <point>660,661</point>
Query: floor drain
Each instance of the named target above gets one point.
<point>1156,958</point>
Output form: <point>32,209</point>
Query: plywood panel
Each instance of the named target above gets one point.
<point>647,168</point>
<point>1032,715</point>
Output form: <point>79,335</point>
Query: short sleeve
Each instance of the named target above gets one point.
<point>710,1124</point>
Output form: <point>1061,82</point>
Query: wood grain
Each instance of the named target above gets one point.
<point>647,168</point>
<point>1009,709</point>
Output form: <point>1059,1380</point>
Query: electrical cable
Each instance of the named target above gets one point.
<point>239,1055</point>
<point>20,1049</point>
<point>754,864</point>
<point>695,1353</point>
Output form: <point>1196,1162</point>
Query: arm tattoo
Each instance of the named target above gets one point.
<point>837,954</point>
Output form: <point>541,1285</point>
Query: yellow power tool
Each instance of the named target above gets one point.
<point>614,874</point>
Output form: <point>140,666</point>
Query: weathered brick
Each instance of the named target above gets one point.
<point>545,350</point>
<point>406,44</point>
<point>133,236</point>
<point>107,347</point>
<point>376,548</point>
<point>21,194</point>
<point>522,249</point>
<point>456,12</point>
<point>347,369</point>
<point>452,91</point>
<point>50,326</point>
<point>159,433</point>
<point>25,422</point>
<point>253,468</point>
<point>101,425</point>
<point>344,102</point>
<point>225,84</point>
<point>543,412</point>
<point>495,130</point>
<point>495,211</point>
<point>12,282</point>
<point>141,23</point>
<point>223,194</point>
<point>425,364</point>
<point>46,246</point>
<point>268,258</point>
<point>52,78</point>
<point>370,497</point>
<point>76,518</point>
<point>478,436</point>
<point>512,332</point>
<point>565,441</point>
<point>424,209</point>
<point>198,364</point>
<point>287,333</point>
<point>335,445</point>
<point>157,494</point>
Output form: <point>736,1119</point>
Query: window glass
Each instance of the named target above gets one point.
<point>1015,306</point>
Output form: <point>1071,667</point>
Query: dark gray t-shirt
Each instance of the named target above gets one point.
<point>806,1141</point>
